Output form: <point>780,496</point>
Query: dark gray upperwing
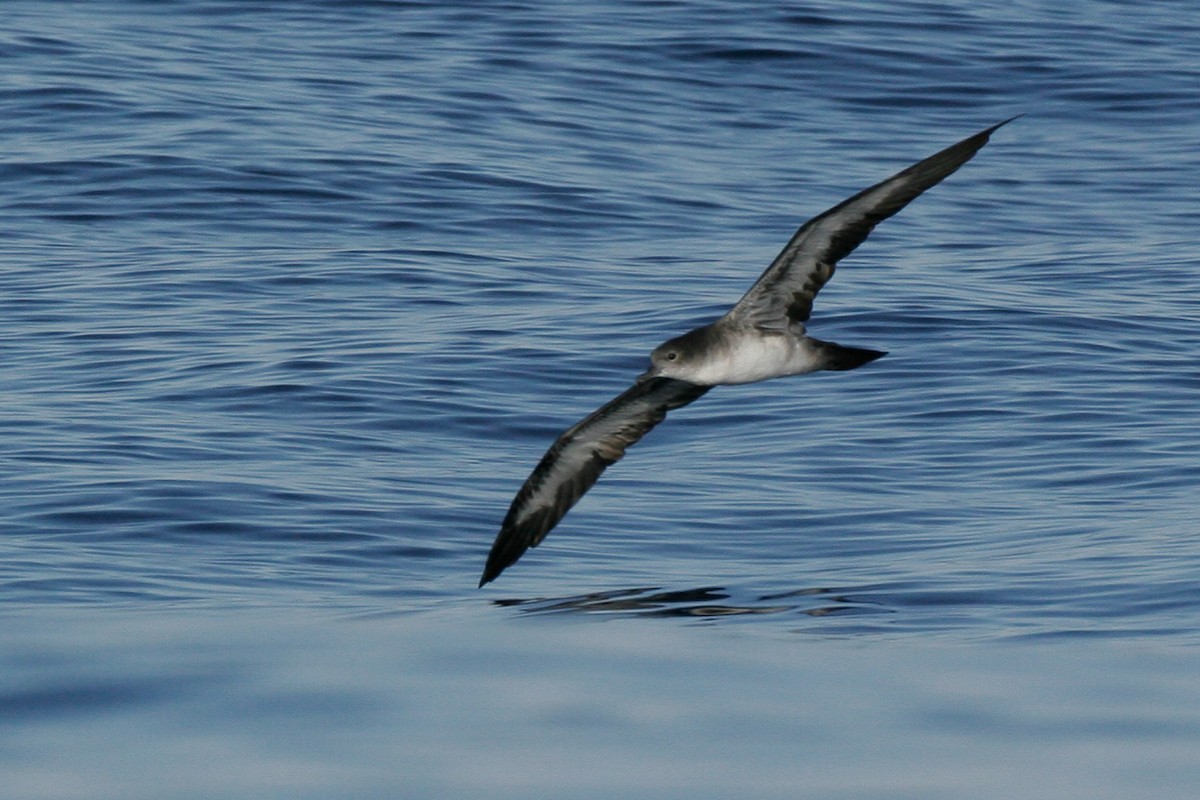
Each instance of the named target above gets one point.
<point>783,295</point>
<point>575,461</point>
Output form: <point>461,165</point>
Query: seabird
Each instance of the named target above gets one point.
<point>761,337</point>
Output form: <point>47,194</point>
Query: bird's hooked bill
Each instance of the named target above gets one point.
<point>652,372</point>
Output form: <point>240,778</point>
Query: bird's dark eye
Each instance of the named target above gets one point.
<point>672,356</point>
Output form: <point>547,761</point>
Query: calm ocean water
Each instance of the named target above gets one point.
<point>294,295</point>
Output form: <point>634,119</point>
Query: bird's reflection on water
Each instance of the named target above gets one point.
<point>700,602</point>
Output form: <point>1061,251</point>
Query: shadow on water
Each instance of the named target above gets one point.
<point>702,602</point>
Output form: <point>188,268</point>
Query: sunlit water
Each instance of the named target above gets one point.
<point>295,295</point>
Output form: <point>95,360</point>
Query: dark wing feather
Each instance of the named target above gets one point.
<point>783,295</point>
<point>575,461</point>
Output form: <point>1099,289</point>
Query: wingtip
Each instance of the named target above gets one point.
<point>501,557</point>
<point>489,574</point>
<point>999,125</point>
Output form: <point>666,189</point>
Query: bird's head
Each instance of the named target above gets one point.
<point>678,358</point>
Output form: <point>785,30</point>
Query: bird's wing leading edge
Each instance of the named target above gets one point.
<point>573,464</point>
<point>783,295</point>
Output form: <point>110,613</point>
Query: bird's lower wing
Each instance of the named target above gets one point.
<point>575,461</point>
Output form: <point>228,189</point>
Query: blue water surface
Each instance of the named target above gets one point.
<point>294,296</point>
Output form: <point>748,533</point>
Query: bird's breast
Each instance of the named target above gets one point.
<point>750,356</point>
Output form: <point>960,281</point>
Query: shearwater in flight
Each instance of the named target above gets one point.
<point>761,337</point>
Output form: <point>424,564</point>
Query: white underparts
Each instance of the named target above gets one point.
<point>747,356</point>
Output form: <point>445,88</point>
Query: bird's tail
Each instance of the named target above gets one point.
<point>839,357</point>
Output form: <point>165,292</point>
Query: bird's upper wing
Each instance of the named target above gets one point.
<point>575,461</point>
<point>783,295</point>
